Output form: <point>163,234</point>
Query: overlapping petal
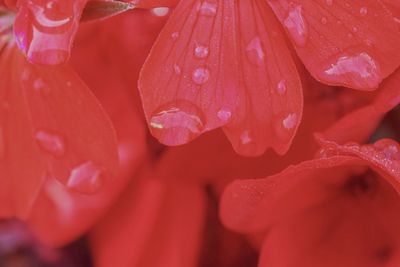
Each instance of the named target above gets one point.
<point>45,133</point>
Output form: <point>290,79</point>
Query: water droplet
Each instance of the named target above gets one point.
<point>361,69</point>
<point>51,143</point>
<point>175,36</point>
<point>324,20</point>
<point>177,123</point>
<point>255,51</point>
<point>296,25</point>
<point>363,11</point>
<point>281,87</point>
<point>201,51</point>
<point>208,9</point>
<point>245,138</point>
<point>329,2</point>
<point>200,76</point>
<point>2,143</point>
<point>85,178</point>
<point>38,84</point>
<point>355,29</point>
<point>177,69</point>
<point>160,11</point>
<point>47,36</point>
<point>285,124</point>
<point>290,121</point>
<point>224,115</point>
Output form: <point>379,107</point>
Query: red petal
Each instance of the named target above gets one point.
<point>52,126</point>
<point>253,205</point>
<point>383,157</point>
<point>359,125</point>
<point>394,7</point>
<point>212,74</point>
<point>152,218</point>
<point>44,30</point>
<point>345,231</point>
<point>349,43</point>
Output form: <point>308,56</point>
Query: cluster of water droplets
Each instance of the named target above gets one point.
<point>85,178</point>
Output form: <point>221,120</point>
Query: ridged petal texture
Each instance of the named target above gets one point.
<point>222,63</point>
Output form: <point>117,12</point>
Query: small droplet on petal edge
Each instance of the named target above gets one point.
<point>85,178</point>
<point>245,138</point>
<point>360,69</point>
<point>224,115</point>
<point>281,87</point>
<point>285,124</point>
<point>177,123</point>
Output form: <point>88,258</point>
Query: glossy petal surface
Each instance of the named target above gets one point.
<point>342,42</point>
<point>219,68</point>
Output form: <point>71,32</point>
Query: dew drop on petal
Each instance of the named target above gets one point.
<point>324,20</point>
<point>51,143</point>
<point>86,178</point>
<point>297,26</point>
<point>177,123</point>
<point>208,9</point>
<point>281,87</point>
<point>245,138</point>
<point>177,69</point>
<point>200,76</point>
<point>285,124</point>
<point>255,51</point>
<point>363,11</point>
<point>224,115</point>
<point>290,121</point>
<point>38,84</point>
<point>360,69</point>
<point>175,36</point>
<point>201,51</point>
<point>160,11</point>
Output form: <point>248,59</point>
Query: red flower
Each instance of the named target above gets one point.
<point>213,66</point>
<point>339,210</point>
<point>57,145</point>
